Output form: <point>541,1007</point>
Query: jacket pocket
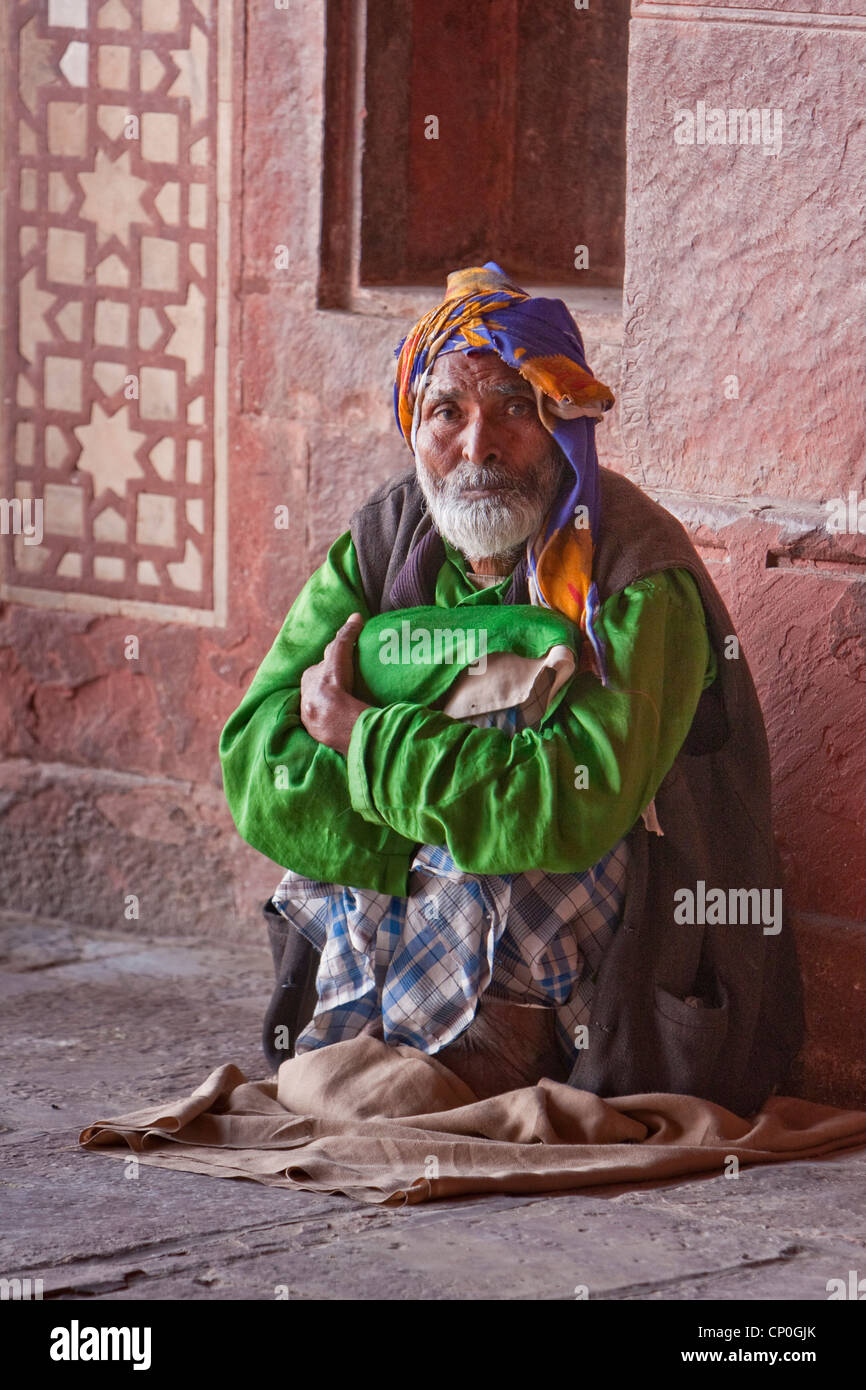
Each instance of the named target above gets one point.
<point>690,1039</point>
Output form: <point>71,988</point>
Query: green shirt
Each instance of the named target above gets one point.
<point>413,775</point>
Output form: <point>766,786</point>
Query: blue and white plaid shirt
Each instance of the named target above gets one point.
<point>420,963</point>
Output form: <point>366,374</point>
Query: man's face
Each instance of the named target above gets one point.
<point>486,465</point>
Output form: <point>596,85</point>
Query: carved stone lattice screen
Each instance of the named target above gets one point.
<point>117,165</point>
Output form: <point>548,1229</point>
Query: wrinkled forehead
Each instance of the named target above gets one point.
<point>477,369</point>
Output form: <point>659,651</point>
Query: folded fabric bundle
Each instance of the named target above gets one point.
<point>391,1124</point>
<point>420,654</point>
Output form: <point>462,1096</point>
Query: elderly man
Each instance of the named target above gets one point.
<point>510,755</point>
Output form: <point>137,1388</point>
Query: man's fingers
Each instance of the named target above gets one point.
<point>348,632</point>
<point>337,658</point>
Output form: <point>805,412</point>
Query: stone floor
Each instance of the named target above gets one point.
<point>96,1024</point>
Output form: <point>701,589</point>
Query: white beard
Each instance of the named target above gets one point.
<point>491,527</point>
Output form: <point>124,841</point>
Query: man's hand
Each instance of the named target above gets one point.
<point>328,707</point>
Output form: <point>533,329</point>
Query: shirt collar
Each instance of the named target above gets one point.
<point>456,556</point>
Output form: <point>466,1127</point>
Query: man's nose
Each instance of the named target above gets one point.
<point>479,443</point>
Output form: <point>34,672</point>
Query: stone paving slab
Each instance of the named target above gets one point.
<point>95,1024</point>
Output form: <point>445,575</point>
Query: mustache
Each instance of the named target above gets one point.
<point>459,480</point>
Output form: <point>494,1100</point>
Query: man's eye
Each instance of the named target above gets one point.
<point>521,407</point>
<point>444,411</point>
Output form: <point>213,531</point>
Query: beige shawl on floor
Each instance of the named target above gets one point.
<point>390,1124</point>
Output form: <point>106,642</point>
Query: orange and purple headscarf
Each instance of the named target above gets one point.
<point>484,309</point>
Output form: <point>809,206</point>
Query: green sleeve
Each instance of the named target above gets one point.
<point>288,793</point>
<point>508,804</point>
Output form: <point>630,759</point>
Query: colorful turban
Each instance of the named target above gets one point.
<point>484,309</point>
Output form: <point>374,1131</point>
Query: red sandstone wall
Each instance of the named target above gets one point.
<point>742,409</point>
